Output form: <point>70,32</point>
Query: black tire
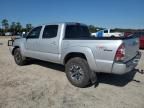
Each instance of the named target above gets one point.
<point>78,72</point>
<point>19,59</point>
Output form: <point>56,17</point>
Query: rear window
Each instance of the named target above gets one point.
<point>77,32</point>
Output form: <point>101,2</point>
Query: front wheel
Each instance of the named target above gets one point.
<point>19,59</point>
<point>78,72</point>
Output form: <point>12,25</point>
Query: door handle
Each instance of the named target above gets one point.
<point>54,43</point>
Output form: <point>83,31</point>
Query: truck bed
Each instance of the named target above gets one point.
<point>104,49</point>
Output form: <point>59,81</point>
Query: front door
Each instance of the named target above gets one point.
<point>31,43</point>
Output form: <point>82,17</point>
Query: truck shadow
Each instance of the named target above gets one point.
<point>112,79</point>
<point>50,65</point>
<point>118,80</point>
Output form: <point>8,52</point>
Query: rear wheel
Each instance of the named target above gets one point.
<point>78,72</point>
<point>19,59</point>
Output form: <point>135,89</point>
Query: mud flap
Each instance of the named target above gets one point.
<point>93,78</point>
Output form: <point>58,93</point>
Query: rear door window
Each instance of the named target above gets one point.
<point>50,31</point>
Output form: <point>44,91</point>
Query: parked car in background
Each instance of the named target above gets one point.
<point>142,42</point>
<point>141,39</point>
<point>108,33</point>
<point>128,33</point>
<point>8,34</point>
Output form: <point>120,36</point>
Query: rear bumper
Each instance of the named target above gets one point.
<point>122,68</point>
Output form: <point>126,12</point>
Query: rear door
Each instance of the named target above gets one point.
<point>49,43</point>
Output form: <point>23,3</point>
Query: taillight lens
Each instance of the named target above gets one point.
<point>120,54</point>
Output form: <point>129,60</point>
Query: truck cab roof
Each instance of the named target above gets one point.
<point>65,23</point>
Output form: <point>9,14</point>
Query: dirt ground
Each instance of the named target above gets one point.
<point>44,85</point>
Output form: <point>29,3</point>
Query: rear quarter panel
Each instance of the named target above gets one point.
<point>104,54</point>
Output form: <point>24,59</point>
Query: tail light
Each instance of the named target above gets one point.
<point>120,54</point>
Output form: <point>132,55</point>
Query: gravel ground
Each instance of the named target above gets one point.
<point>44,85</point>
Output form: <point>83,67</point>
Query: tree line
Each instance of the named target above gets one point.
<point>14,28</point>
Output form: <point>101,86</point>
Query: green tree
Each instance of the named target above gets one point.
<point>5,25</point>
<point>18,27</point>
<point>28,27</point>
<point>92,28</point>
<point>13,28</point>
<point>0,32</point>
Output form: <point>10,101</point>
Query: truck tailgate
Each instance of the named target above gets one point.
<point>131,48</point>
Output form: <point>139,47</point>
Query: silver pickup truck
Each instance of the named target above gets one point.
<point>71,45</point>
